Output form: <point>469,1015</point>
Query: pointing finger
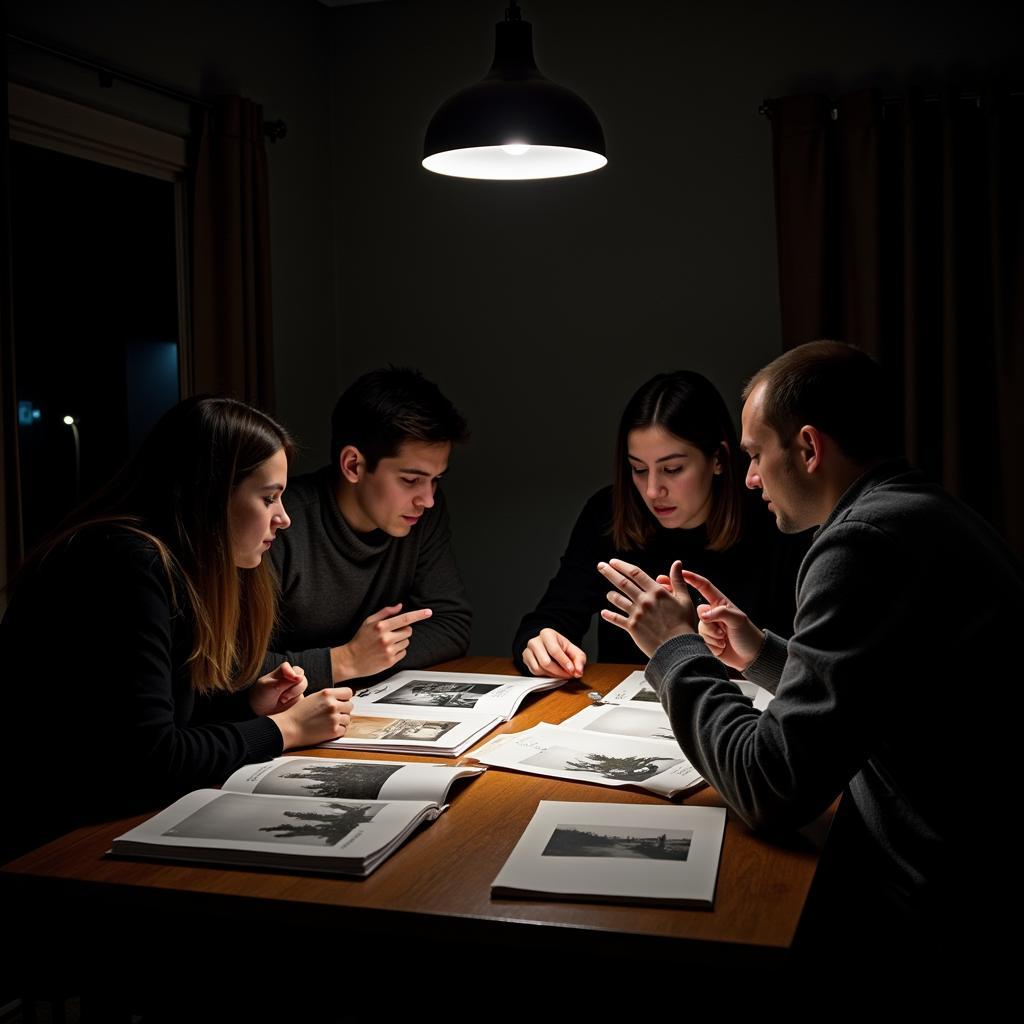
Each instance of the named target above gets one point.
<point>704,587</point>
<point>407,619</point>
<point>384,612</point>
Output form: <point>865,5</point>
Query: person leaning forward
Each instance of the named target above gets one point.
<point>888,690</point>
<point>368,576</point>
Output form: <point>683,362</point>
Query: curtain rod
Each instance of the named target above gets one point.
<point>765,109</point>
<point>273,130</point>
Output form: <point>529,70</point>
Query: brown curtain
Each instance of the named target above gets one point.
<point>232,351</point>
<point>901,229</point>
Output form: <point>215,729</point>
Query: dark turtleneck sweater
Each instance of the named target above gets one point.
<point>333,578</point>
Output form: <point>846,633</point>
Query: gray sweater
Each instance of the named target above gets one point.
<point>890,687</point>
<point>332,578</point>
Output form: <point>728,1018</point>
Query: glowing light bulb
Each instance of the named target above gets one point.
<point>69,420</point>
<point>515,148</point>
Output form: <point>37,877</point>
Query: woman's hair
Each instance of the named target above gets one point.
<point>685,404</point>
<point>175,493</point>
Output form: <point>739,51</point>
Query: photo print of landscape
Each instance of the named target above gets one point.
<point>627,721</point>
<point>241,818</point>
<point>614,841</point>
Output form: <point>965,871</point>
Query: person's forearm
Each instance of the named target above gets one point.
<point>316,661</point>
<point>342,664</point>
<point>440,638</point>
<point>766,668</point>
<point>745,759</point>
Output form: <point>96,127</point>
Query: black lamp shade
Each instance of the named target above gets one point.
<point>514,124</point>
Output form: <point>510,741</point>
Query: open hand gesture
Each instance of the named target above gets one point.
<point>652,613</point>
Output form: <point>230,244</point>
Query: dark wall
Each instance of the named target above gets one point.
<point>539,307</point>
<point>272,51</point>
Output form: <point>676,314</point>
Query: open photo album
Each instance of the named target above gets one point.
<point>299,813</point>
<point>487,694</point>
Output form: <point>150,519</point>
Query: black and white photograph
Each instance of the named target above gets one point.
<point>328,778</point>
<point>626,721</point>
<point>640,853</point>
<point>617,767</point>
<point>610,841</point>
<point>239,818</point>
<point>365,727</point>
<point>445,694</point>
<point>645,697</point>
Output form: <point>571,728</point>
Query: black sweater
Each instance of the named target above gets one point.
<point>758,574</point>
<point>102,719</point>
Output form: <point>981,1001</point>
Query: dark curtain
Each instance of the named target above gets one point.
<point>901,229</point>
<point>10,503</point>
<point>231,309</point>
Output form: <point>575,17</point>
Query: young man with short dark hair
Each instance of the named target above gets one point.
<point>368,576</point>
<point>888,692</point>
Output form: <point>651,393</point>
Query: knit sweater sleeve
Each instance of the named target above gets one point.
<point>315,661</point>
<point>576,592</point>
<point>782,767</point>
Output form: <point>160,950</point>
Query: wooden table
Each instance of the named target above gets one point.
<point>436,889</point>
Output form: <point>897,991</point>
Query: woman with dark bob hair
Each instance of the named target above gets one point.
<point>137,632</point>
<point>678,492</point>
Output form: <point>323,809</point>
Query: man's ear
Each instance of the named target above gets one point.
<point>351,464</point>
<point>810,448</point>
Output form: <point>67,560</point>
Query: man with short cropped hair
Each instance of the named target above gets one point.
<point>889,691</point>
<point>368,577</point>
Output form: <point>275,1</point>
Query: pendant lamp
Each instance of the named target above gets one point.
<point>514,124</point>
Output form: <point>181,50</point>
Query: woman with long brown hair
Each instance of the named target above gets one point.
<point>678,493</point>
<point>135,635</point>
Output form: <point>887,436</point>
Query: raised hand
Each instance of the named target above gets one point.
<point>726,629</point>
<point>551,654</point>
<point>380,642</point>
<point>653,613</point>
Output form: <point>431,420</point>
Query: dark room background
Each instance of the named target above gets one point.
<point>538,307</point>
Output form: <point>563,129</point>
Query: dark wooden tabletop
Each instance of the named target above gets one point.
<point>438,884</point>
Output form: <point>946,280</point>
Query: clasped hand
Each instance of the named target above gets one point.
<point>303,721</point>
<point>657,610</point>
<point>277,690</point>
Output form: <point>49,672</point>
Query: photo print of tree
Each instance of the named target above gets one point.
<point>331,778</point>
<point>237,817</point>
